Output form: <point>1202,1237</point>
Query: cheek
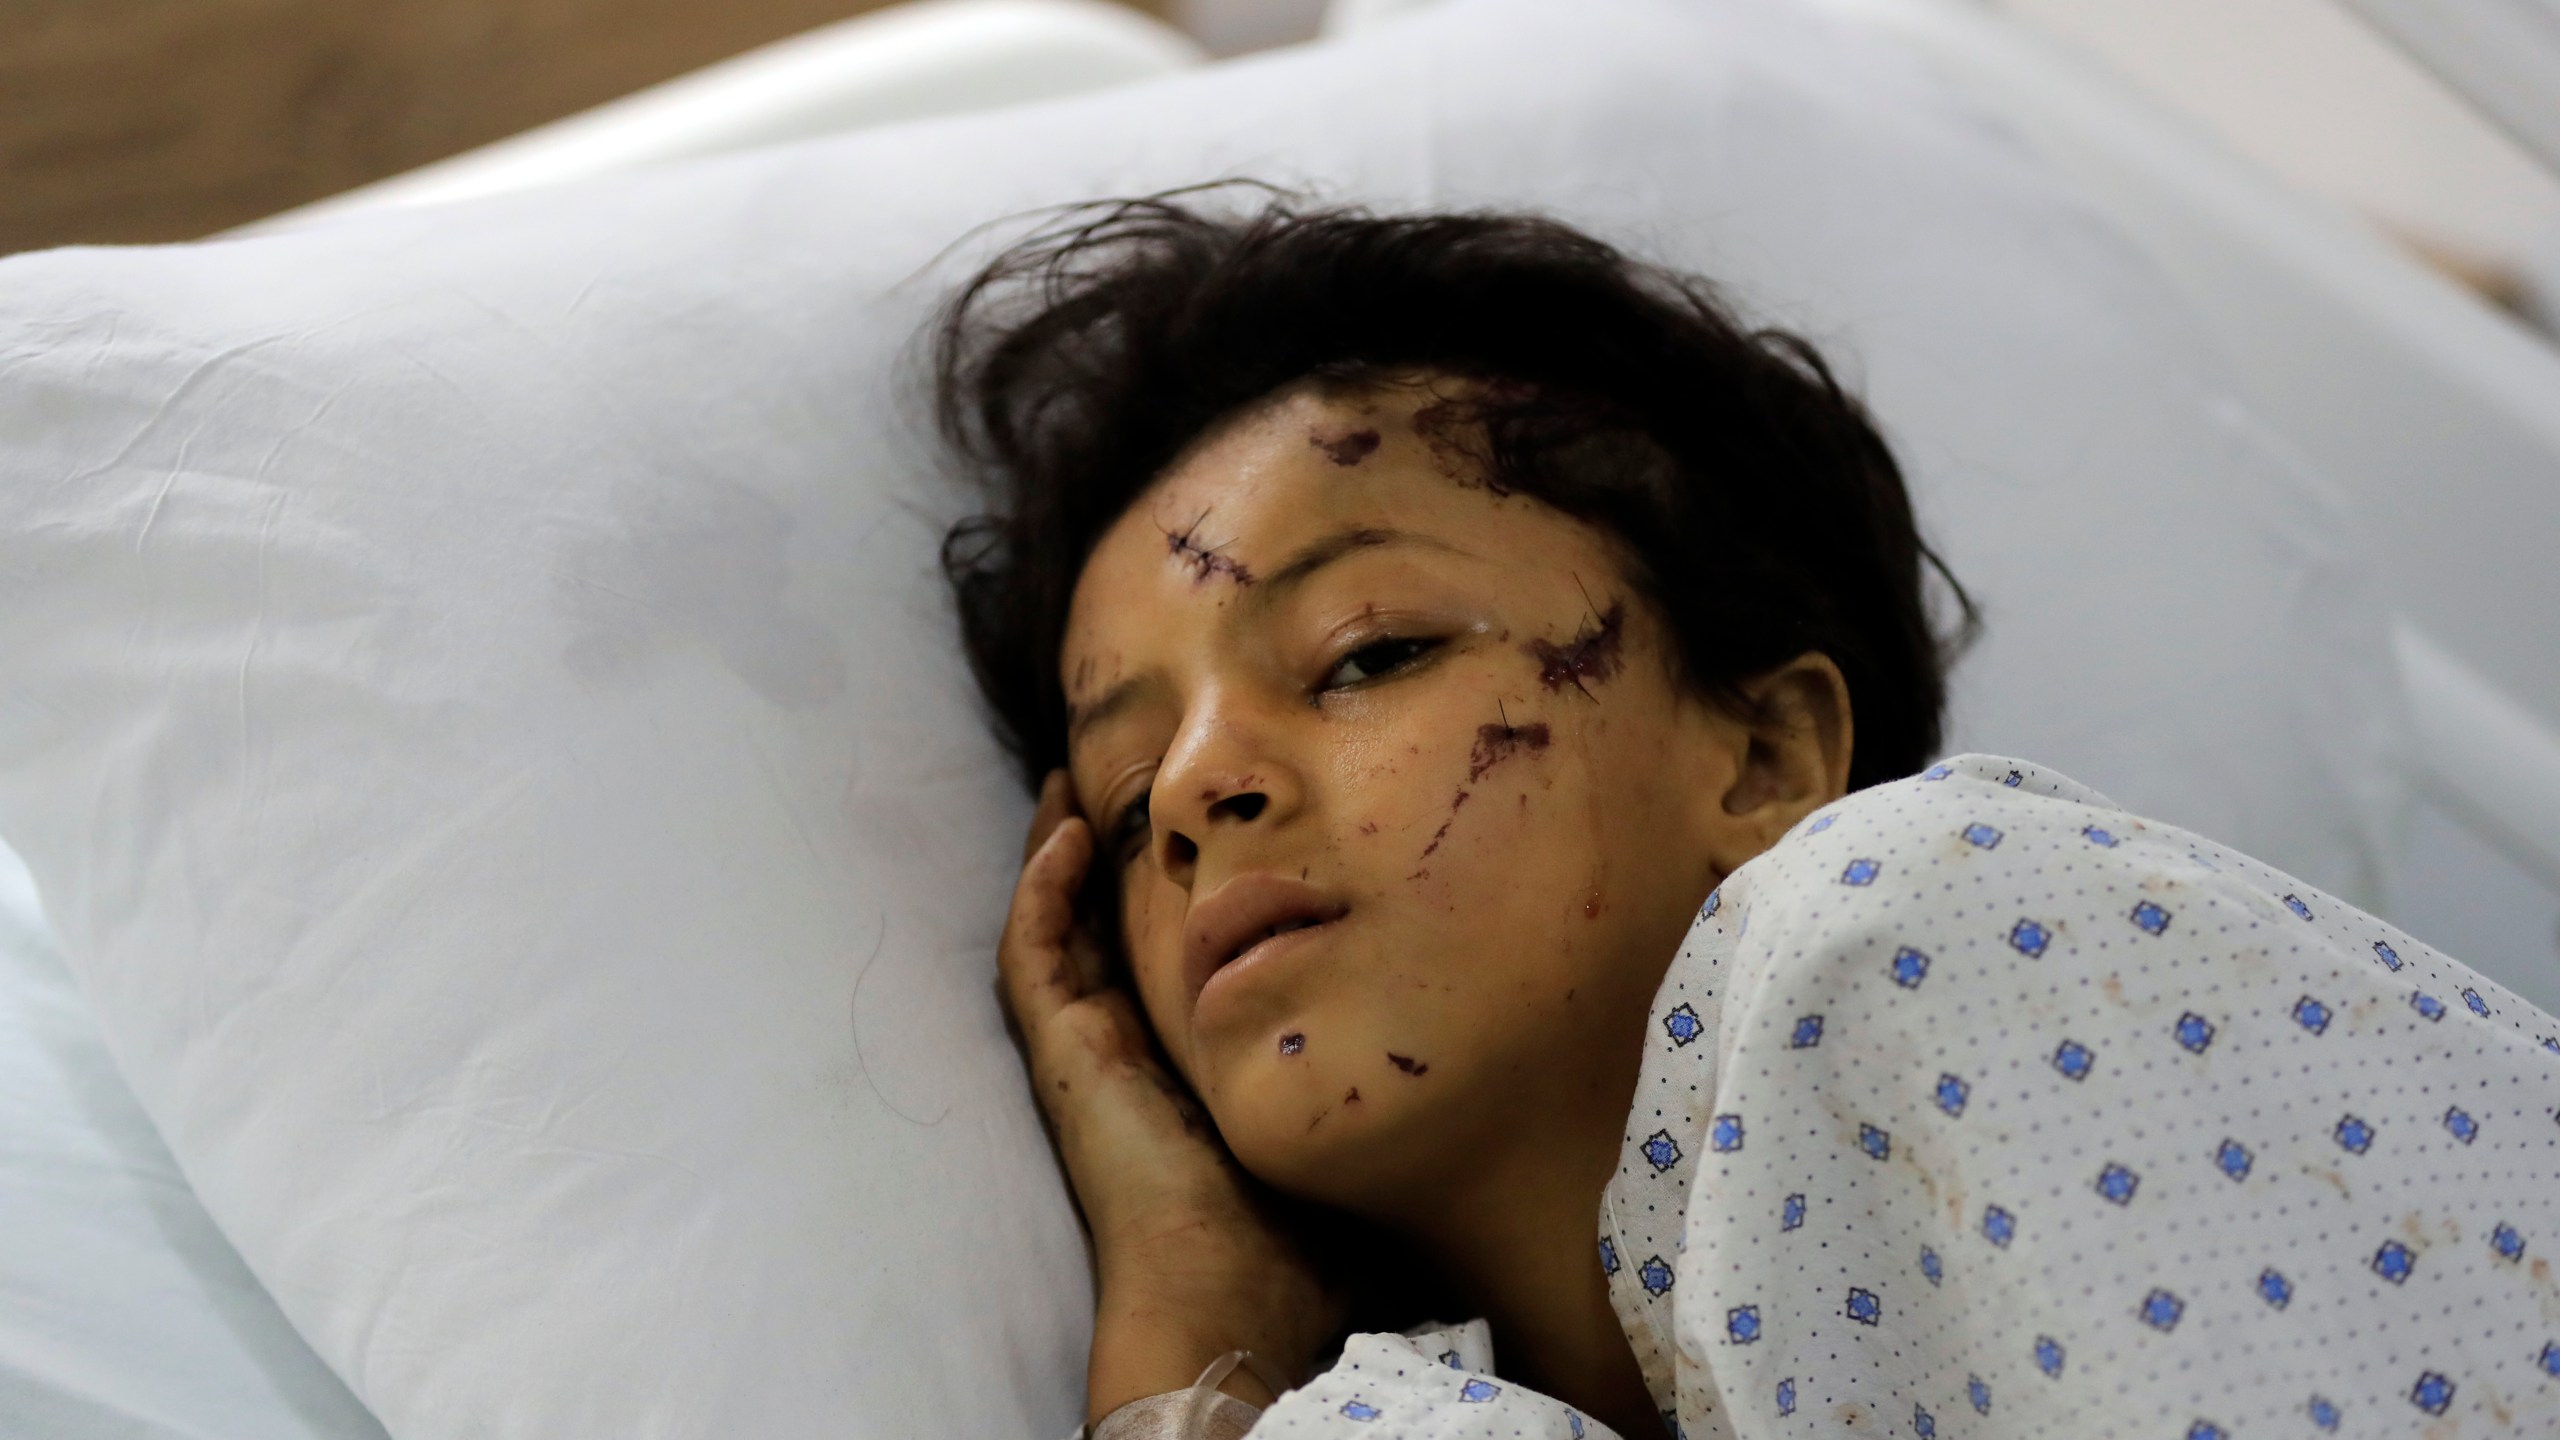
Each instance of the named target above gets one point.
<point>1151,916</point>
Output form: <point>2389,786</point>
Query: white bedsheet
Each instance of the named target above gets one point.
<point>124,1314</point>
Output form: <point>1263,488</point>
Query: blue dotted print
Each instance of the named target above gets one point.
<point>1661,1151</point>
<point>2432,1393</point>
<point>2118,1184</point>
<point>1952,1093</point>
<point>2073,1059</point>
<point>2160,1310</point>
<point>2274,1288</point>
<point>2232,1159</point>
<point>1998,1225</point>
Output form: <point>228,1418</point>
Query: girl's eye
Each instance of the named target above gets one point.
<point>1130,830</point>
<point>1377,658</point>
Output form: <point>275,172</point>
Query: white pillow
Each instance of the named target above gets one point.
<point>480,705</point>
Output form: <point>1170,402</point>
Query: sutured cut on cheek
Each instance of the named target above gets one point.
<point>1499,742</point>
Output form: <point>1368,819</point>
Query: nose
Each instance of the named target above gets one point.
<point>1221,783</point>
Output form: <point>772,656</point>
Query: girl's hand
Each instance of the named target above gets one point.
<point>1190,1260</point>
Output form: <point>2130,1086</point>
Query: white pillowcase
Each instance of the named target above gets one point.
<point>480,705</point>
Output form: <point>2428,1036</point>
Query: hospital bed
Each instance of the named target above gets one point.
<point>2438,417</point>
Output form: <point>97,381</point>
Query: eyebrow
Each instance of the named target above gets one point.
<point>1311,557</point>
<point>1324,550</point>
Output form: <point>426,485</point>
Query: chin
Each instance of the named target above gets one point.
<point>1334,1135</point>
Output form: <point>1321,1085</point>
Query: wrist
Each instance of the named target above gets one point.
<point>1145,1344</point>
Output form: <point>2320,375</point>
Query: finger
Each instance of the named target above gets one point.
<point>1039,974</point>
<point>1091,963</point>
<point>1057,802</point>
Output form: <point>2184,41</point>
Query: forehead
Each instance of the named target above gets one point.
<point>1228,515</point>
<point>1221,540</point>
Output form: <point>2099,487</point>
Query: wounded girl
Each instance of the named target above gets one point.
<point>1489,864</point>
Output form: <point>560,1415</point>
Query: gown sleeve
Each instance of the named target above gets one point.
<point>2030,1117</point>
<point>1429,1385</point>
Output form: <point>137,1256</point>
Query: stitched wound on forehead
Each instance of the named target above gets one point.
<point>1589,658</point>
<point>1205,561</point>
<point>1345,449</point>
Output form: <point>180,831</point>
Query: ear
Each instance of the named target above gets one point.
<point>1794,742</point>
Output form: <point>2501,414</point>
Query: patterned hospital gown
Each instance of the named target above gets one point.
<point>1978,1108</point>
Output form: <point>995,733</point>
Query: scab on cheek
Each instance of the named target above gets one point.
<point>1408,1064</point>
<point>1455,805</point>
<point>1588,659</point>
<point>1497,743</point>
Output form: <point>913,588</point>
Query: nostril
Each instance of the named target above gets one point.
<point>1179,852</point>
<point>1244,807</point>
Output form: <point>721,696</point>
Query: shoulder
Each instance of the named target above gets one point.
<point>1959,817</point>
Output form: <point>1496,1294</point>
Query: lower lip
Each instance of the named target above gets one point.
<point>1263,955</point>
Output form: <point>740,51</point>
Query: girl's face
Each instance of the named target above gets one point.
<point>1405,809</point>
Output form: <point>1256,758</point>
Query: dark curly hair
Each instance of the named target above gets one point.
<point>1753,500</point>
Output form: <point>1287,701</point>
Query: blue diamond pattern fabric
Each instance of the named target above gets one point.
<point>2161,1310</point>
<point>2274,1288</point>
<point>2087,1121</point>
<point>2194,1032</point>
<point>1952,1093</point>
<point>2118,1184</point>
<point>1998,1225</point>
<point>2233,1159</point>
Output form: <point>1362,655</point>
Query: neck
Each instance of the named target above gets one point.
<point>1519,1244</point>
